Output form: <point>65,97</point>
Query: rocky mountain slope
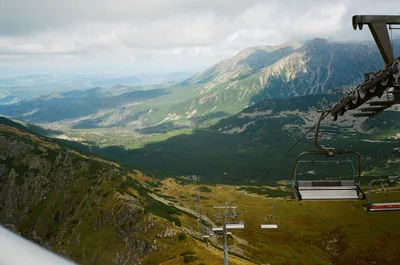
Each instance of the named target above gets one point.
<point>83,207</point>
<point>284,71</point>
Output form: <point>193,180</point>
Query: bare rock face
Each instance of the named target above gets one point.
<point>75,206</point>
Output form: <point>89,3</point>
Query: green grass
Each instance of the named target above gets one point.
<point>188,259</point>
<point>311,225</point>
<point>187,252</point>
<point>204,189</point>
<point>265,191</point>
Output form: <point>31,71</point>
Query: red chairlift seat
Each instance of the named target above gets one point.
<point>381,206</point>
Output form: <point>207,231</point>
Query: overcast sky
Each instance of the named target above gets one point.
<point>139,36</point>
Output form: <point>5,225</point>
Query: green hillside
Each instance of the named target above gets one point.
<point>83,207</point>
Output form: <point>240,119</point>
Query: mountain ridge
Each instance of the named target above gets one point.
<point>253,75</point>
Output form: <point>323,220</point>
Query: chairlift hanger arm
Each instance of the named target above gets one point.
<point>339,152</point>
<point>329,152</point>
<point>320,148</point>
<point>331,161</point>
<point>323,190</point>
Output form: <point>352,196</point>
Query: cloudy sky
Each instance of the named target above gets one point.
<point>139,36</point>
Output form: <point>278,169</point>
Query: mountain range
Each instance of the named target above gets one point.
<point>240,98</point>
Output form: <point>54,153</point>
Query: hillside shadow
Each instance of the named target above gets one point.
<point>227,158</point>
<point>210,117</point>
<point>220,158</point>
<point>162,128</point>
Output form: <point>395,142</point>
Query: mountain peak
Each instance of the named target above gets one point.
<point>269,48</point>
<point>251,59</point>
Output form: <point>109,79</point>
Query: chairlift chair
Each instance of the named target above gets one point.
<point>333,189</point>
<point>270,220</point>
<point>382,206</point>
<point>230,226</point>
<point>217,229</point>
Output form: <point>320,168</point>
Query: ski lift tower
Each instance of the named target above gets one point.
<point>228,213</point>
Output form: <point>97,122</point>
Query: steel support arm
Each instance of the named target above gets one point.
<point>378,28</point>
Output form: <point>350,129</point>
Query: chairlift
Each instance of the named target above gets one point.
<point>382,206</point>
<point>270,221</point>
<point>332,189</point>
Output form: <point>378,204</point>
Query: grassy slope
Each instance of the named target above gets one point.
<point>310,232</point>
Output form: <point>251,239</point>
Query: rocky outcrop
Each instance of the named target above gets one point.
<point>75,206</point>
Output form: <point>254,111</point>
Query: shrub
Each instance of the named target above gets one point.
<point>205,189</point>
<point>182,236</point>
<point>187,252</point>
<point>187,259</point>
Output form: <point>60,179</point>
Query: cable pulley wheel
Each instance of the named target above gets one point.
<point>385,81</point>
<point>396,70</point>
<point>355,97</point>
<point>362,92</point>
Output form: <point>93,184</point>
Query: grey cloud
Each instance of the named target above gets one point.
<point>179,32</point>
<point>27,16</point>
